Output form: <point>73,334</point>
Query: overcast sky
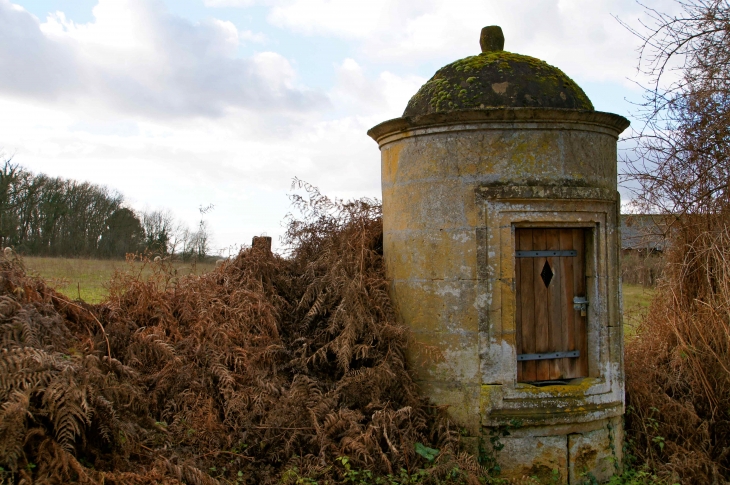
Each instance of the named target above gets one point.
<point>184,103</point>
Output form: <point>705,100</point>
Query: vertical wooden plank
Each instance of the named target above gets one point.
<point>527,312</point>
<point>518,305</point>
<point>539,243</point>
<point>566,266</point>
<point>579,284</point>
<point>545,318</point>
<point>555,294</point>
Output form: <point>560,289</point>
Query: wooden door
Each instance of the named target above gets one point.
<point>551,333</point>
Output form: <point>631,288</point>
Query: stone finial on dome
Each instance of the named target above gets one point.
<point>492,39</point>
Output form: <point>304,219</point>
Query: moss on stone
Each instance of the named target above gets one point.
<point>497,79</point>
<point>576,389</point>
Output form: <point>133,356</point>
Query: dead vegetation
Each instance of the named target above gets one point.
<point>678,370</point>
<point>265,370</point>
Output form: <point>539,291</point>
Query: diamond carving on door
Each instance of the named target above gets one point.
<point>546,274</point>
<point>551,333</point>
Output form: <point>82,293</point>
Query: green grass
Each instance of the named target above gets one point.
<point>88,279</point>
<point>636,305</point>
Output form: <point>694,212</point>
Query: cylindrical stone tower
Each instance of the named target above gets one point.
<point>501,242</point>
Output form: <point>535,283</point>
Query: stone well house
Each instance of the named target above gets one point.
<point>501,243</point>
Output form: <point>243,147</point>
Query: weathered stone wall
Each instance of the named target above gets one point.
<point>454,188</point>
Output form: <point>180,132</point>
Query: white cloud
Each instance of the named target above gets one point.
<point>380,98</point>
<point>255,37</point>
<point>164,109</point>
<point>356,19</point>
<point>136,57</point>
<point>231,3</point>
<point>579,36</point>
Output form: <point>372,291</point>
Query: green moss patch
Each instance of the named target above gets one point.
<point>479,82</point>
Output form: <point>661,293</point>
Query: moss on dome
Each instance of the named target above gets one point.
<point>497,79</point>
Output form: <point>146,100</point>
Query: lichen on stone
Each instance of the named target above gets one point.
<point>468,84</point>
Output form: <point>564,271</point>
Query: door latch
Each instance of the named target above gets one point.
<point>580,303</point>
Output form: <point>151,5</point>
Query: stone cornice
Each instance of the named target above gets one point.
<point>502,117</point>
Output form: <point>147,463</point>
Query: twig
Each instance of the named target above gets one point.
<point>282,427</point>
<point>226,453</point>
<point>108,346</point>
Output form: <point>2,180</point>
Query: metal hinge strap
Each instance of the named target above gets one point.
<point>546,254</point>
<point>549,355</point>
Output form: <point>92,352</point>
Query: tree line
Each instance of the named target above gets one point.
<point>52,216</point>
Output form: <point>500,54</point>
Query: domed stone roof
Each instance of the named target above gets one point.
<point>497,79</point>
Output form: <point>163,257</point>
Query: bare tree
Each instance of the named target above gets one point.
<point>681,162</point>
<point>678,377</point>
<point>8,200</point>
<point>203,236</point>
<point>159,229</point>
<point>44,215</point>
<point>162,231</point>
<point>52,216</point>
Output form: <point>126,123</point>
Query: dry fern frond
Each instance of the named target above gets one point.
<point>67,403</point>
<point>13,415</point>
<point>264,364</point>
<point>8,307</point>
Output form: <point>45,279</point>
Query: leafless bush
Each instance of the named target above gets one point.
<point>678,371</point>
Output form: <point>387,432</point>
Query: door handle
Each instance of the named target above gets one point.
<point>580,303</point>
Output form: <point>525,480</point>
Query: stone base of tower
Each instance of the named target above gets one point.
<point>563,455</point>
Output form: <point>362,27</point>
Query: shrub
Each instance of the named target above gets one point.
<point>678,369</point>
<point>263,366</point>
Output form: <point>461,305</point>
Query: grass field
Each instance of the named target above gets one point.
<point>636,303</point>
<point>87,279</point>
